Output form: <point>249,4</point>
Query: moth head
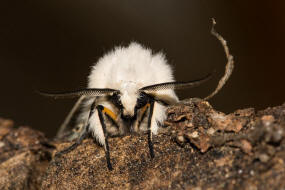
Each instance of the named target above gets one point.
<point>128,97</point>
<point>126,102</point>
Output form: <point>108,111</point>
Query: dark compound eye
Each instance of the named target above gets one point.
<point>115,98</point>
<point>142,100</point>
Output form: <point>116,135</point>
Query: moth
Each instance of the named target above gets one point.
<point>128,91</point>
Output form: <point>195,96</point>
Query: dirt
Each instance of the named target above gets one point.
<point>198,148</point>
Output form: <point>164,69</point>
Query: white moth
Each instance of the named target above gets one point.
<point>128,90</point>
<point>128,70</point>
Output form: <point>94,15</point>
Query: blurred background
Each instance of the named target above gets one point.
<point>51,45</point>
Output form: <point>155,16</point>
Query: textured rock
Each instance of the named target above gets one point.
<point>200,148</point>
<point>24,157</point>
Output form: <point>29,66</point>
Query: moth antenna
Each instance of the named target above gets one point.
<point>162,99</point>
<point>176,85</point>
<point>78,93</point>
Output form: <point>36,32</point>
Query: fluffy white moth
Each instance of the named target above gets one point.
<point>128,69</point>
<point>128,90</point>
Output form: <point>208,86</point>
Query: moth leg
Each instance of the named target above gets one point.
<point>66,121</point>
<point>149,132</point>
<point>101,109</point>
<point>81,138</point>
<point>141,117</point>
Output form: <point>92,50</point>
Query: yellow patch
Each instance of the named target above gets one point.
<point>145,107</point>
<point>110,113</point>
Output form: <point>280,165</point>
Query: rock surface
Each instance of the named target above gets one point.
<point>199,148</point>
<point>24,157</point>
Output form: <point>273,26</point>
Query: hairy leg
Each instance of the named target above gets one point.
<point>100,109</point>
<point>150,144</point>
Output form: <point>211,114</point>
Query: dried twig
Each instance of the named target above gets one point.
<point>229,66</point>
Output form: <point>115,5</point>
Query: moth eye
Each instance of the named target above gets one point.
<point>115,98</point>
<point>142,101</point>
<point>119,103</point>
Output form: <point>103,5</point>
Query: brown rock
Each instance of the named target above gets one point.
<point>6,127</point>
<point>248,153</point>
<point>23,158</point>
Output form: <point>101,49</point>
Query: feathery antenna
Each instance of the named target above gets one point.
<point>176,85</point>
<point>78,93</point>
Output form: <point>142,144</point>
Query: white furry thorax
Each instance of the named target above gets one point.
<point>129,95</point>
<point>134,64</point>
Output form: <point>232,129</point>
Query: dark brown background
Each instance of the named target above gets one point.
<point>50,45</point>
